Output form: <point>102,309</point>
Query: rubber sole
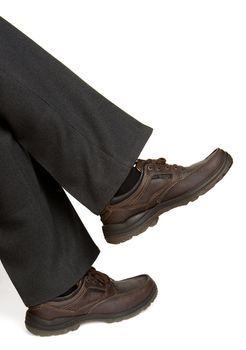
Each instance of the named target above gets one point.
<point>61,326</point>
<point>137,224</point>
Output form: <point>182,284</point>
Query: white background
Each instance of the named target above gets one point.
<point>178,66</point>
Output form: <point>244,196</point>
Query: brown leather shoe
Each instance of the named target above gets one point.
<point>97,298</point>
<point>161,187</point>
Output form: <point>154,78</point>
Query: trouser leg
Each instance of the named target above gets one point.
<point>44,246</point>
<point>86,142</point>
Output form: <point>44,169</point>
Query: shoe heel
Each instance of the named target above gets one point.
<point>119,233</point>
<point>38,326</point>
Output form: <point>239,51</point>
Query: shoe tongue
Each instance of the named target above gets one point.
<point>140,165</point>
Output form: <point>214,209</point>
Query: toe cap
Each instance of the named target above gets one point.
<point>200,174</point>
<point>132,293</point>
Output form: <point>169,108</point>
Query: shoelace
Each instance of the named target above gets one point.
<point>158,161</point>
<point>97,276</point>
<point>162,161</point>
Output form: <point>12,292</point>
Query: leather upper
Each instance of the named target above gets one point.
<point>160,182</point>
<point>97,294</point>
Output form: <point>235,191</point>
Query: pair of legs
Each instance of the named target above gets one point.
<point>56,131</point>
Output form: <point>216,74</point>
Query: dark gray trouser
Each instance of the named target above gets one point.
<point>55,131</point>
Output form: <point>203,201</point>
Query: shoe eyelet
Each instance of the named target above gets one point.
<point>167,167</point>
<point>158,168</point>
<point>150,167</point>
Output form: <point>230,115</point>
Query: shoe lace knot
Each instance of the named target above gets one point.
<point>156,161</point>
<point>97,277</point>
<point>161,163</point>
